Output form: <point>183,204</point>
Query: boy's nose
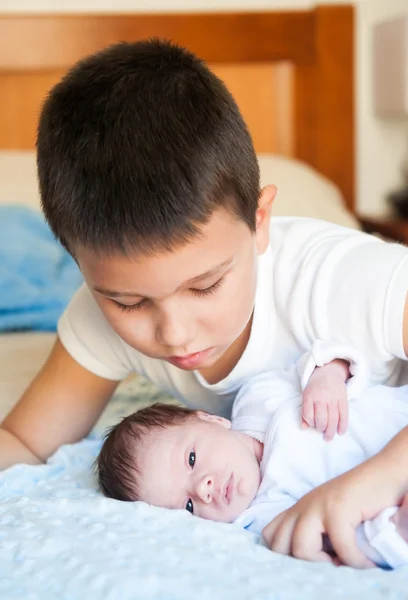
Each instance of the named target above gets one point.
<point>175,330</point>
<point>205,489</point>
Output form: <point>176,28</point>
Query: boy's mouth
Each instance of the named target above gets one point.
<point>190,361</point>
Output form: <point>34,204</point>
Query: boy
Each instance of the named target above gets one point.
<point>250,473</point>
<point>149,178</point>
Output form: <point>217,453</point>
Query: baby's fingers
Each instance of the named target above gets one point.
<point>332,422</point>
<point>343,540</point>
<point>321,416</point>
<point>343,416</point>
<point>308,412</point>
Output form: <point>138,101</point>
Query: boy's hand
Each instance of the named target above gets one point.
<point>325,404</point>
<point>339,506</point>
<point>334,509</point>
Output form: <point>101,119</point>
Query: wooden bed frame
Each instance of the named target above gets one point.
<point>291,72</point>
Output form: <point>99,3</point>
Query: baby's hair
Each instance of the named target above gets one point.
<point>137,146</point>
<point>118,461</point>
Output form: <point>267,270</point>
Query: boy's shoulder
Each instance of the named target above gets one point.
<point>306,229</point>
<point>90,340</point>
<point>300,242</point>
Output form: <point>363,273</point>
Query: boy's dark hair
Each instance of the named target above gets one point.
<point>118,461</point>
<point>137,146</point>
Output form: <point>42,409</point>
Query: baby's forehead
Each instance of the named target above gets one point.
<point>174,436</point>
<point>162,456</point>
<point>168,434</point>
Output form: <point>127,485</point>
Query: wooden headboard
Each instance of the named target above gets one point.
<point>291,73</point>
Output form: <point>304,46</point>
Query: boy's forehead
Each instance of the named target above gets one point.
<point>222,242</point>
<point>211,272</point>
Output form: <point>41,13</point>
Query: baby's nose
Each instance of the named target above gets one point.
<point>205,489</point>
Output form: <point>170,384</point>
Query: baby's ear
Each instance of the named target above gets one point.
<point>204,416</point>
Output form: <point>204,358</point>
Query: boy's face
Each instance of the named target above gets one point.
<point>202,466</point>
<point>190,306</point>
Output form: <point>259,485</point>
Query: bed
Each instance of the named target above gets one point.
<point>292,74</point>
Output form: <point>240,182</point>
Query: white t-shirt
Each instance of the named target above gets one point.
<point>316,280</point>
<point>295,460</point>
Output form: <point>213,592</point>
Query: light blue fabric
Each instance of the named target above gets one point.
<point>61,540</point>
<point>37,276</point>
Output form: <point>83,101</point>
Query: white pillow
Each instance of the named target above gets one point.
<point>18,178</point>
<point>302,191</point>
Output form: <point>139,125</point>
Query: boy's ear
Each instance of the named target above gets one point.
<point>263,217</point>
<point>213,419</point>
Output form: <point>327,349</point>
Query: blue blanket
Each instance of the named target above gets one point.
<point>37,276</point>
<point>61,540</point>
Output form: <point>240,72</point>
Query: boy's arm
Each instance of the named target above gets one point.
<point>12,451</point>
<point>61,406</point>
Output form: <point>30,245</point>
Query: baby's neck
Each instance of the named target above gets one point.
<point>256,446</point>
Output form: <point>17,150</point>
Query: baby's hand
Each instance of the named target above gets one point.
<point>325,404</point>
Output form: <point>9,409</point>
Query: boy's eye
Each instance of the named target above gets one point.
<point>210,290</point>
<point>130,307</point>
<point>197,292</point>
<point>192,459</point>
<point>189,506</point>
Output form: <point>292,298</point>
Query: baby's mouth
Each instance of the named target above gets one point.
<point>229,489</point>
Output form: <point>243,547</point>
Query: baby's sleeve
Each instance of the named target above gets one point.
<point>324,352</point>
<point>261,513</point>
<point>260,397</point>
<point>381,542</point>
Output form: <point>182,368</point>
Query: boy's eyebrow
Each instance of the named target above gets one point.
<point>214,271</point>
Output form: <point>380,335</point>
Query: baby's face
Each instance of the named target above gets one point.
<point>202,466</point>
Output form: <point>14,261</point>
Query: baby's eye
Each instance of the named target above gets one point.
<point>189,506</point>
<point>192,459</point>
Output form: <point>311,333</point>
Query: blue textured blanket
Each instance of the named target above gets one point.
<point>37,276</point>
<point>61,540</point>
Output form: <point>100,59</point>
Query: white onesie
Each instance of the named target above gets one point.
<point>296,460</point>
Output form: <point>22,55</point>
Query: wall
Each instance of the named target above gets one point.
<point>382,144</point>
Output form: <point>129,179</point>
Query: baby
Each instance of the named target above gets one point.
<point>252,468</point>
